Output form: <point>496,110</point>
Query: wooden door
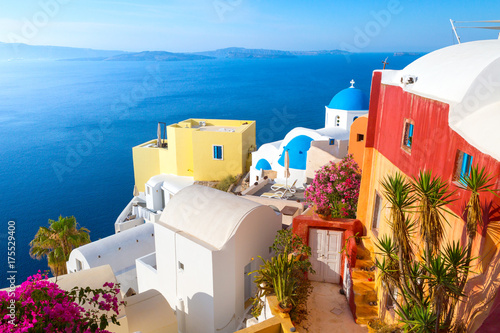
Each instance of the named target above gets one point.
<point>325,249</point>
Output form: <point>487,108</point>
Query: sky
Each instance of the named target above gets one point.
<point>200,25</point>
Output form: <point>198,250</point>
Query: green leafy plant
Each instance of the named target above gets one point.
<point>225,183</point>
<point>285,276</point>
<point>431,282</point>
<point>57,241</point>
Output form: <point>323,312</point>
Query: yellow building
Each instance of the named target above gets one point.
<point>205,149</point>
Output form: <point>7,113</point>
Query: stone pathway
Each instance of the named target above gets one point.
<point>329,312</point>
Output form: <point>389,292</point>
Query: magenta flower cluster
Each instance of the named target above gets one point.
<point>38,305</point>
<point>335,189</point>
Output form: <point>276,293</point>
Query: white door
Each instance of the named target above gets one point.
<point>325,249</point>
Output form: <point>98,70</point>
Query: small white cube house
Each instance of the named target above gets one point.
<point>206,242</point>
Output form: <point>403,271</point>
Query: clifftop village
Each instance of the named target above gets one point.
<point>391,207</point>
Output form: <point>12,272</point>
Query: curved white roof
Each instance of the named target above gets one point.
<point>467,77</point>
<point>171,182</point>
<point>334,132</point>
<point>119,250</point>
<point>447,74</point>
<point>319,134</point>
<point>210,215</point>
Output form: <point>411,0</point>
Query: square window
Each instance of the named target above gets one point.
<point>408,135</point>
<point>377,209</point>
<point>181,266</point>
<point>332,142</point>
<point>360,137</point>
<point>463,165</point>
<point>217,152</point>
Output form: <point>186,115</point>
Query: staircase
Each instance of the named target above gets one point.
<point>363,281</point>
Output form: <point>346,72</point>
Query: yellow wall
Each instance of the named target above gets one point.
<point>280,323</point>
<point>205,166</point>
<point>483,283</point>
<point>146,164</point>
<point>248,145</point>
<point>190,151</point>
<point>182,151</point>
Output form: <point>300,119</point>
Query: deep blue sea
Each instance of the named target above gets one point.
<point>50,109</point>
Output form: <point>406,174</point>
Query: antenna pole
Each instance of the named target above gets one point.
<point>455,30</point>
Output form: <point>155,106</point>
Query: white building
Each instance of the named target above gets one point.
<point>333,139</point>
<point>207,241</point>
<point>205,244</point>
<point>147,206</point>
<point>119,251</point>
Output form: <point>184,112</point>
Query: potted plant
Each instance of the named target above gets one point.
<point>284,276</point>
<point>334,191</point>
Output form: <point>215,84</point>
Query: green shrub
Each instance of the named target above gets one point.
<point>284,275</point>
<point>224,184</point>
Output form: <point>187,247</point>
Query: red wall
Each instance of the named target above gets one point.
<point>301,225</point>
<point>434,144</point>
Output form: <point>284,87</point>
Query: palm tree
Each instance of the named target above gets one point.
<point>428,285</point>
<point>433,196</point>
<point>476,181</point>
<point>398,192</point>
<point>57,241</point>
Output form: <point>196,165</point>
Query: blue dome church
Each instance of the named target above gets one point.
<point>309,149</point>
<point>345,107</point>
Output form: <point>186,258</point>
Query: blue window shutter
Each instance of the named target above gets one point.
<point>218,152</point>
<point>466,164</point>
<point>410,131</point>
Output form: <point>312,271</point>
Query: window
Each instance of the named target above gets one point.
<point>78,265</point>
<point>218,155</point>
<point>377,208</point>
<point>463,165</point>
<point>353,119</point>
<point>337,121</point>
<point>181,266</point>
<point>408,135</point>
<point>332,142</point>
<point>360,137</point>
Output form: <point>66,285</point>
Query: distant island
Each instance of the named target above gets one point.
<point>230,52</point>
<point>400,54</point>
<point>18,51</point>
<point>147,56</point>
<point>240,52</point>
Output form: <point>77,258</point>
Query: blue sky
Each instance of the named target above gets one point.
<point>197,25</point>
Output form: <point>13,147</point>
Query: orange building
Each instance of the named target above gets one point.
<point>357,139</point>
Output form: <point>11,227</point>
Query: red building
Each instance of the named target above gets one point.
<point>440,113</point>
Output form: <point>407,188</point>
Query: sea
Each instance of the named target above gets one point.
<point>67,128</point>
